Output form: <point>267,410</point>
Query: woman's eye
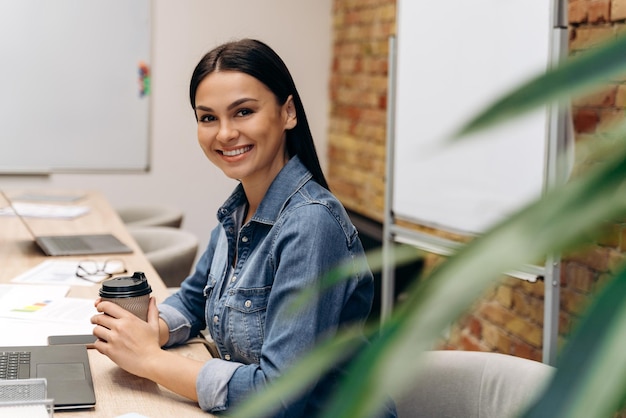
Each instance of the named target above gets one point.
<point>206,118</point>
<point>244,112</point>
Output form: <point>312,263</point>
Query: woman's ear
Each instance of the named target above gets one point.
<point>291,119</point>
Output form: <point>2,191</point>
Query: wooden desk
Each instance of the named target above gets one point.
<point>117,392</point>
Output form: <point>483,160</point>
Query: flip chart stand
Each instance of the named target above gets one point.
<point>558,132</point>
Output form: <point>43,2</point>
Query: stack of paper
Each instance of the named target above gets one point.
<point>35,210</point>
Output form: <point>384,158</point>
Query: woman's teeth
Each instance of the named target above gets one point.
<point>237,151</point>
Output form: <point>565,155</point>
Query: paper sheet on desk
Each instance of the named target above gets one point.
<point>23,298</point>
<point>64,310</point>
<point>30,313</point>
<point>61,272</point>
<point>26,332</point>
<point>35,210</point>
<point>44,303</point>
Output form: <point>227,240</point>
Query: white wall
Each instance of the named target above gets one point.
<point>183,31</point>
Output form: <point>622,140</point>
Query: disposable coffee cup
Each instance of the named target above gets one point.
<point>131,293</point>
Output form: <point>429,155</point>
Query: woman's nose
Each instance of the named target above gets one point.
<point>226,132</point>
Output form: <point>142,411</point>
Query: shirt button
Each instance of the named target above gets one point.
<point>215,319</point>
<point>227,357</point>
<point>248,303</point>
<point>233,279</point>
<point>244,239</point>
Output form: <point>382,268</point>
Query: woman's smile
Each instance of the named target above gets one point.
<point>236,151</point>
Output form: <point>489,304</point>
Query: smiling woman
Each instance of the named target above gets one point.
<point>279,232</point>
<point>242,129</point>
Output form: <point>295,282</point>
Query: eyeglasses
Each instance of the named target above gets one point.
<point>96,272</point>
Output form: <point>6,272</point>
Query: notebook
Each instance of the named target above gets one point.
<point>65,367</point>
<point>86,244</point>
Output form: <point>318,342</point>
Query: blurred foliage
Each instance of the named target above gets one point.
<point>591,370</point>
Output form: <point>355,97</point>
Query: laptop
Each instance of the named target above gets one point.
<point>85,244</point>
<point>65,367</point>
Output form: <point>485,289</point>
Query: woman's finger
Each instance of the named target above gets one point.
<point>111,309</point>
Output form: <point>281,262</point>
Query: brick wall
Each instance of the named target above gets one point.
<point>358,93</point>
<point>509,318</point>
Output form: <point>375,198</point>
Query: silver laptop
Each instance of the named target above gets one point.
<point>84,244</point>
<point>65,367</point>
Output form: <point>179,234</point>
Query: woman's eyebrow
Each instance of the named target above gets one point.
<point>240,102</point>
<point>234,104</point>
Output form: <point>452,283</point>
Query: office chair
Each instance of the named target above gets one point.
<point>147,215</point>
<point>171,251</point>
<point>473,384</point>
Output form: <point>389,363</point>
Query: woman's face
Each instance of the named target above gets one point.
<point>242,128</point>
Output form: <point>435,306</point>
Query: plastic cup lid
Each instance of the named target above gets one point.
<point>126,287</point>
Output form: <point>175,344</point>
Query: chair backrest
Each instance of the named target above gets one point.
<point>470,384</point>
<point>171,251</point>
<point>150,215</point>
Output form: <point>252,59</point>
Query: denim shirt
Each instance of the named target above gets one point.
<point>299,231</point>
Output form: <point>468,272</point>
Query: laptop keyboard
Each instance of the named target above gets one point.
<point>71,243</point>
<point>14,365</point>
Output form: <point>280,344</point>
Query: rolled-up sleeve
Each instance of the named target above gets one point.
<point>212,384</point>
<point>177,324</point>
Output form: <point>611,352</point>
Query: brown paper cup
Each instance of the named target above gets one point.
<point>131,293</point>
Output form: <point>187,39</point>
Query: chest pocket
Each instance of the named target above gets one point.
<point>246,321</point>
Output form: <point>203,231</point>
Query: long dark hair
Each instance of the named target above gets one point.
<point>258,60</point>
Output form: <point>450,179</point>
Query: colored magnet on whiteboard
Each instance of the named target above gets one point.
<point>144,79</point>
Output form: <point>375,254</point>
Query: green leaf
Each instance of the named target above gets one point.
<point>573,76</point>
<point>392,360</point>
<point>563,217</point>
<point>591,372</point>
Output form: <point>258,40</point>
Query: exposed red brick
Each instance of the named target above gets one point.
<point>474,326</point>
<point>618,10</point>
<point>599,11</point>
<point>579,277</point>
<point>468,343</point>
<point>585,120</point>
<point>577,11</point>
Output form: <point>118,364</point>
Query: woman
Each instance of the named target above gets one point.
<point>278,233</point>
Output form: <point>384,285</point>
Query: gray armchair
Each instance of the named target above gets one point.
<point>171,251</point>
<point>150,215</point>
<point>469,384</point>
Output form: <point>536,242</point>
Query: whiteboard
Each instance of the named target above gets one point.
<point>71,90</point>
<point>453,59</point>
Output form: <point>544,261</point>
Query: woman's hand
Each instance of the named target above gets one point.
<point>133,344</point>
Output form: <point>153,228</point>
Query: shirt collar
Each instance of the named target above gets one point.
<point>289,180</point>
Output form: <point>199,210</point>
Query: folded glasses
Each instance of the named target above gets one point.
<point>97,271</point>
